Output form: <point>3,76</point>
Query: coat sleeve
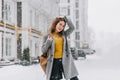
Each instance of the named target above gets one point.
<point>46,44</point>
<point>71,26</point>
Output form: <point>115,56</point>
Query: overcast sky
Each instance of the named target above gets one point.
<point>104,15</point>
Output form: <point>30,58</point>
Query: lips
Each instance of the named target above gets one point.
<point>59,29</point>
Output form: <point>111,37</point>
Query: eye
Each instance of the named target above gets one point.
<point>61,24</point>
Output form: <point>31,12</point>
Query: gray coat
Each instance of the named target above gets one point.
<point>67,59</point>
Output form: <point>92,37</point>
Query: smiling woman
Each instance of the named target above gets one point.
<point>60,61</point>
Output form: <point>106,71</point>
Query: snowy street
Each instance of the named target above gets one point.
<point>93,68</point>
<point>23,23</point>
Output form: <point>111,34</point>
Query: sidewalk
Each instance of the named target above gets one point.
<point>6,64</point>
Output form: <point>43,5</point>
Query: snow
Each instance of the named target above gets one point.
<point>103,65</point>
<point>18,72</point>
<point>93,68</point>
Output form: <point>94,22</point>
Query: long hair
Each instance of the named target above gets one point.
<point>54,23</point>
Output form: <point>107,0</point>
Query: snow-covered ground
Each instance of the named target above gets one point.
<point>18,72</point>
<point>96,68</point>
<point>93,68</point>
<point>103,65</point>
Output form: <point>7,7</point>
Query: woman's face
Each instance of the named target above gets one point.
<point>60,26</point>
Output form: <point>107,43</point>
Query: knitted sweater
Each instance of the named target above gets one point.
<point>58,45</point>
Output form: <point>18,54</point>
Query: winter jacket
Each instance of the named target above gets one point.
<point>67,59</point>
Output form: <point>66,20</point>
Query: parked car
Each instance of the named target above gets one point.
<point>89,51</point>
<point>74,54</point>
<point>77,53</point>
<point>81,53</point>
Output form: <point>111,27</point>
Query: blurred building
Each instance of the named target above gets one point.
<point>22,24</point>
<point>77,11</point>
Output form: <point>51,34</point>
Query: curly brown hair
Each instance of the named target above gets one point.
<point>54,23</point>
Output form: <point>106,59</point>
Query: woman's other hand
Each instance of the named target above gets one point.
<point>50,38</point>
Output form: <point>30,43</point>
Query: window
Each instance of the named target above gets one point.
<point>31,18</point>
<point>77,24</point>
<point>36,49</point>
<point>69,10</point>
<point>68,1</point>
<point>77,35</point>
<point>2,9</point>
<point>19,14</point>
<point>8,46</point>
<point>77,44</point>
<point>6,11</point>
<point>77,4</point>
<point>77,14</point>
<point>36,20</point>
<point>19,46</point>
<point>63,10</point>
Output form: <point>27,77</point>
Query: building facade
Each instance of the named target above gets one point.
<point>24,22</point>
<point>22,25</point>
<point>77,11</point>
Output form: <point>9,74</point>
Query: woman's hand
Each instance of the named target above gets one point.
<point>50,38</point>
<point>60,17</point>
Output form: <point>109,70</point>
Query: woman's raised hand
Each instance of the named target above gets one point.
<point>60,16</point>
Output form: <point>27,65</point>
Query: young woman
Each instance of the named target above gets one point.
<point>60,61</point>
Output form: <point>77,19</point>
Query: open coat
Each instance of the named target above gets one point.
<point>67,59</point>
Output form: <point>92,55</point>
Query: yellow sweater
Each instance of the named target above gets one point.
<point>58,45</point>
